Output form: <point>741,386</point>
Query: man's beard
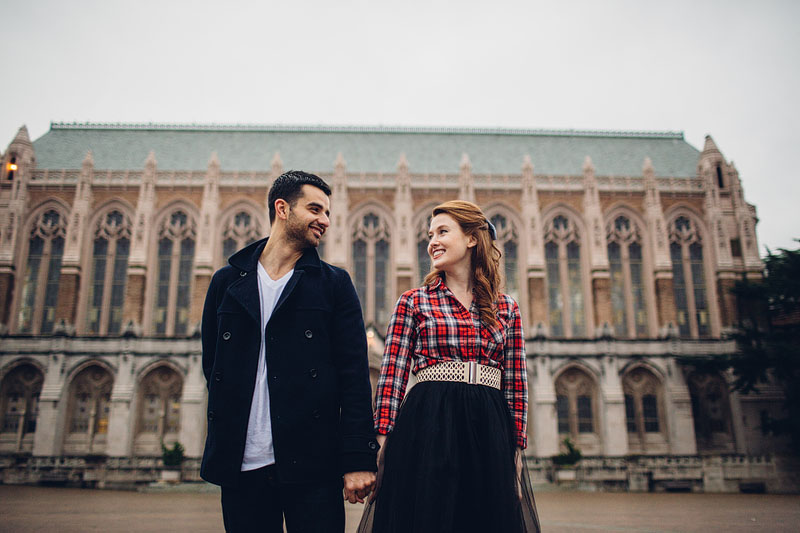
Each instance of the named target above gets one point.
<point>298,233</point>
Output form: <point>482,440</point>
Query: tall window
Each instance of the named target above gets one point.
<point>109,270</point>
<point>37,312</point>
<point>642,398</point>
<point>175,259</point>
<point>629,312</point>
<point>240,230</point>
<point>508,242</point>
<point>19,407</point>
<point>423,259</point>
<point>88,411</point>
<point>711,412</point>
<point>564,279</point>
<point>370,256</point>
<point>159,410</point>
<point>575,397</point>
<point>688,278</point>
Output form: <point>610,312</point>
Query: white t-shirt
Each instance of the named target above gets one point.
<point>258,449</point>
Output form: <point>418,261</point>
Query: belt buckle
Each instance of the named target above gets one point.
<point>472,373</point>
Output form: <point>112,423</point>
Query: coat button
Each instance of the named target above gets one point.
<point>211,415</point>
<point>373,445</point>
<point>242,273</point>
<point>217,376</point>
<point>226,336</point>
<point>315,414</point>
<point>309,334</point>
<point>313,372</point>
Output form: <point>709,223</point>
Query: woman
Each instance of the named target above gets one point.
<point>451,457</point>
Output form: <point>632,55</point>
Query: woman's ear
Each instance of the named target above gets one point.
<point>472,241</point>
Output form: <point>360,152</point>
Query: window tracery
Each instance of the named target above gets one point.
<point>564,278</point>
<point>42,274</point>
<point>629,311</point>
<point>88,412</point>
<point>643,397</point>
<point>159,410</point>
<point>175,251</point>
<point>688,278</point>
<point>711,412</point>
<point>110,251</point>
<point>575,403</point>
<point>508,242</point>
<point>370,256</point>
<point>240,230</point>
<point>19,407</point>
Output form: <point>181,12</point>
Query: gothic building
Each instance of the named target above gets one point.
<point>620,247</point>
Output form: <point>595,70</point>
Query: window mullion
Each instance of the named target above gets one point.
<point>371,280</point>
<point>108,276</point>
<point>173,286</point>
<point>628,292</point>
<point>563,272</point>
<point>41,287</point>
<point>689,284</point>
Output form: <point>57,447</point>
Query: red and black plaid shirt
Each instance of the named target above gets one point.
<point>428,326</point>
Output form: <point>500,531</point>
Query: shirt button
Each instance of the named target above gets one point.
<point>226,336</point>
<point>309,334</point>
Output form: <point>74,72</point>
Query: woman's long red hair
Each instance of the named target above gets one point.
<point>485,256</point>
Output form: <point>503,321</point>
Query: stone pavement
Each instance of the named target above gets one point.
<point>24,509</point>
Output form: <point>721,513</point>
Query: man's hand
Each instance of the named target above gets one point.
<point>357,485</point>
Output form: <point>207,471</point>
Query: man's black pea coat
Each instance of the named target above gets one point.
<point>316,353</point>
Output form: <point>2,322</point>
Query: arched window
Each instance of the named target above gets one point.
<point>37,311</point>
<point>565,297</point>
<point>629,312</point>
<point>174,277</point>
<point>159,410</point>
<point>508,243</point>
<point>423,259</point>
<point>88,410</point>
<point>110,250</point>
<point>575,403</point>
<point>711,411</point>
<point>643,400</point>
<point>688,278</point>
<point>19,407</point>
<point>370,256</point>
<point>240,230</point>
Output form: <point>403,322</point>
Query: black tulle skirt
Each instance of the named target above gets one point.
<point>450,465</point>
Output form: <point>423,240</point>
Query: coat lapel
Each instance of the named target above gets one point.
<point>287,291</point>
<point>245,291</point>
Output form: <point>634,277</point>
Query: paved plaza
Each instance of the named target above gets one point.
<point>24,509</point>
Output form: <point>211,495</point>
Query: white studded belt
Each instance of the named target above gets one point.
<point>463,372</point>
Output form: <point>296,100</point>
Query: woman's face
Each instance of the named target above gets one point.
<point>448,246</point>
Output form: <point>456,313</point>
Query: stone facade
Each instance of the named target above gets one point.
<point>622,277</point>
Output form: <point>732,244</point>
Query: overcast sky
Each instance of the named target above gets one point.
<point>725,68</point>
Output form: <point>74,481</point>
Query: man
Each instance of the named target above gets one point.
<point>285,360</point>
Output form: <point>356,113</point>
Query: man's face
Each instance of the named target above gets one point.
<point>308,219</point>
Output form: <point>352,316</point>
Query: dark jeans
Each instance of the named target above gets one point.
<point>260,503</point>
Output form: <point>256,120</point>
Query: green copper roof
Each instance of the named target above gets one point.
<point>365,149</point>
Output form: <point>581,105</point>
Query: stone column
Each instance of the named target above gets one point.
<point>466,184</point>
<point>404,244</point>
<point>662,264</point>
<point>207,237</point>
<point>135,297</point>
<point>52,406</point>
<point>193,409</point>
<point>337,242</point>
<point>682,440</point>
<point>596,245</point>
<point>615,432</point>
<point>121,418</point>
<point>532,237</point>
<point>542,404</point>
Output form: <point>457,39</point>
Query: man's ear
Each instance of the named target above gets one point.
<point>281,209</point>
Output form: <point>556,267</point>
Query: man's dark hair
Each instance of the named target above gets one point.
<point>288,187</point>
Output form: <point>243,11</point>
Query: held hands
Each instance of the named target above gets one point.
<point>357,485</point>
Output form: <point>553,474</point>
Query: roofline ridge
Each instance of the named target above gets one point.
<point>322,128</point>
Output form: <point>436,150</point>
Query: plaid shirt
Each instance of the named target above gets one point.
<point>428,326</point>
